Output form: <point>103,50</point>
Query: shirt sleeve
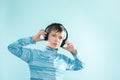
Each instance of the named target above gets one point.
<point>74,64</point>
<point>17,49</point>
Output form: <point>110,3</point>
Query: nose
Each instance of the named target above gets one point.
<point>56,39</point>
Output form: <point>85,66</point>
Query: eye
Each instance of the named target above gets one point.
<point>53,35</point>
<point>60,37</point>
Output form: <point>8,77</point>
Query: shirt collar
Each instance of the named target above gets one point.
<point>51,49</point>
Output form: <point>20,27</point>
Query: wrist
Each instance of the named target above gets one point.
<point>31,40</point>
<point>74,52</point>
<point>36,38</point>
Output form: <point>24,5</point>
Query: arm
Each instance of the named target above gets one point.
<point>75,64</point>
<point>26,54</point>
<point>17,48</point>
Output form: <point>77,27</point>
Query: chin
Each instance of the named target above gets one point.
<point>55,47</point>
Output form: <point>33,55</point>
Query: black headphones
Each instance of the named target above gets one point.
<point>58,24</point>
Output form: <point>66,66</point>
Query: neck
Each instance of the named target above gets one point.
<point>52,47</point>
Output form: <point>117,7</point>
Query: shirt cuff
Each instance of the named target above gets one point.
<point>32,41</point>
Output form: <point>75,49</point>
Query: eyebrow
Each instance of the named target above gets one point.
<point>54,32</point>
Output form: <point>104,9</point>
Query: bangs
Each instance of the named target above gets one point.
<point>56,28</point>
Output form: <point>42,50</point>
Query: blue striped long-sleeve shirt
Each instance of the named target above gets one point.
<point>45,64</point>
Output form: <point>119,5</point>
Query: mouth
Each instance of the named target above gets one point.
<point>56,44</point>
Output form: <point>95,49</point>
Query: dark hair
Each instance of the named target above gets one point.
<point>57,27</point>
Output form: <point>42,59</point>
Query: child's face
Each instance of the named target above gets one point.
<point>55,39</point>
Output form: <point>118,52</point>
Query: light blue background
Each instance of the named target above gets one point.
<point>93,26</point>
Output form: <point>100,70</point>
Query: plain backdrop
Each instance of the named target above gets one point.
<point>93,27</point>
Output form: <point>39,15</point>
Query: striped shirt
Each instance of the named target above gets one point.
<point>45,64</point>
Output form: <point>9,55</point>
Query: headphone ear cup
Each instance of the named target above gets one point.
<point>46,37</point>
<point>63,43</point>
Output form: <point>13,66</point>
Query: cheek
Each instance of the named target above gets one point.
<point>50,37</point>
<point>61,41</point>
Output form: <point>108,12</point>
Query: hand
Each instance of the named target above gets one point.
<point>36,37</point>
<point>70,47</point>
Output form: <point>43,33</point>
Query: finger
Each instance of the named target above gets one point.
<point>42,30</point>
<point>69,44</point>
<point>44,34</point>
<point>66,42</point>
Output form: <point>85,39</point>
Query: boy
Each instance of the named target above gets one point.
<point>47,64</point>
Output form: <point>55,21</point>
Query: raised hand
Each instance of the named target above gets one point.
<point>70,47</point>
<point>37,37</point>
